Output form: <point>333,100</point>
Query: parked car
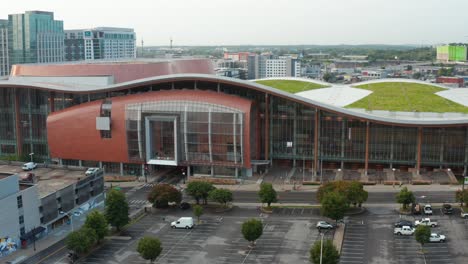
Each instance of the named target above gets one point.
<point>183,222</point>
<point>402,223</point>
<point>447,209</point>
<point>91,171</point>
<point>427,209</point>
<point>426,222</point>
<point>325,225</point>
<point>29,166</point>
<point>184,205</point>
<point>403,231</point>
<point>464,214</point>
<point>436,238</point>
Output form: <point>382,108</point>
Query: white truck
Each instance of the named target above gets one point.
<point>403,231</point>
<point>426,222</point>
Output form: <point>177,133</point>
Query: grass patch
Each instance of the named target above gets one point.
<point>291,86</point>
<point>407,97</point>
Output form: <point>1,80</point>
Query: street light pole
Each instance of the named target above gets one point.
<point>321,247</point>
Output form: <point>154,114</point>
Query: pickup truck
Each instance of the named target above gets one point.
<point>426,222</point>
<point>404,230</point>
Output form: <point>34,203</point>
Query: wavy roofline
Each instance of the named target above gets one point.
<point>246,84</point>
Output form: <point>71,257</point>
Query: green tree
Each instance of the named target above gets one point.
<point>334,206</point>
<point>199,190</point>
<point>252,229</point>
<point>197,211</point>
<point>116,211</point>
<point>149,248</point>
<point>267,194</point>
<point>327,77</point>
<point>82,240</point>
<point>461,196</point>
<point>97,221</point>
<point>405,197</point>
<point>422,234</point>
<point>163,194</point>
<point>222,196</point>
<point>355,193</point>
<point>330,254</point>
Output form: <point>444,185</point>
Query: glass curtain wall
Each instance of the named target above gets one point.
<point>291,130</point>
<point>7,123</point>
<point>208,133</point>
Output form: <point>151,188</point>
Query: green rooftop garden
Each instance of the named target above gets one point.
<point>407,97</point>
<point>291,86</point>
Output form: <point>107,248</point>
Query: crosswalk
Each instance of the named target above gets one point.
<point>138,202</point>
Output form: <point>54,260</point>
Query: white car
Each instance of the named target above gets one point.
<point>436,238</point>
<point>29,166</point>
<point>427,209</point>
<point>183,222</point>
<point>464,215</point>
<point>91,171</point>
<point>324,225</point>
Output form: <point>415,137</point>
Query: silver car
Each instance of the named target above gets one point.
<point>325,225</point>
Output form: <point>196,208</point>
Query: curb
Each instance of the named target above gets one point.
<point>338,238</point>
<point>363,210</point>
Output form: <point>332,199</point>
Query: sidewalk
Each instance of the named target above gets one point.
<point>313,188</point>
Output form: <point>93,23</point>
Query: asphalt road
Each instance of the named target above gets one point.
<point>374,197</point>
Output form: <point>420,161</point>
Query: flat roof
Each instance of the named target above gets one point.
<point>49,180</point>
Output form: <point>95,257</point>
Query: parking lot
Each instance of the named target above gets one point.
<point>218,239</point>
<point>369,239</point>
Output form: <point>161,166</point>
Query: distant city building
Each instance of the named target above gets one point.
<point>451,53</point>
<point>35,37</point>
<point>266,66</point>
<point>102,43</point>
<point>451,81</point>
<point>4,58</point>
<point>372,75</point>
<point>237,56</point>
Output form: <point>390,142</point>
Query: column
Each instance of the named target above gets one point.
<point>267,126</point>
<point>392,144</point>
<point>442,139</point>
<point>418,158</point>
<point>234,136</point>
<point>18,125</point>
<point>316,141</point>
<point>52,101</point>
<point>343,140</point>
<point>121,169</point>
<point>294,136</point>
<point>366,164</point>
<point>210,147</point>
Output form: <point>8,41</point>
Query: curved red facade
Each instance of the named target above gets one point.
<point>72,133</point>
<point>122,71</point>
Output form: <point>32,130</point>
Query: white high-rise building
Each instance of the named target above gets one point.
<point>105,43</point>
<point>266,66</point>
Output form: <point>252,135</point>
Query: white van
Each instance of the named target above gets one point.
<point>29,166</point>
<point>183,222</point>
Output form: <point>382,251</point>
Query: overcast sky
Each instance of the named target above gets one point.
<point>259,22</point>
